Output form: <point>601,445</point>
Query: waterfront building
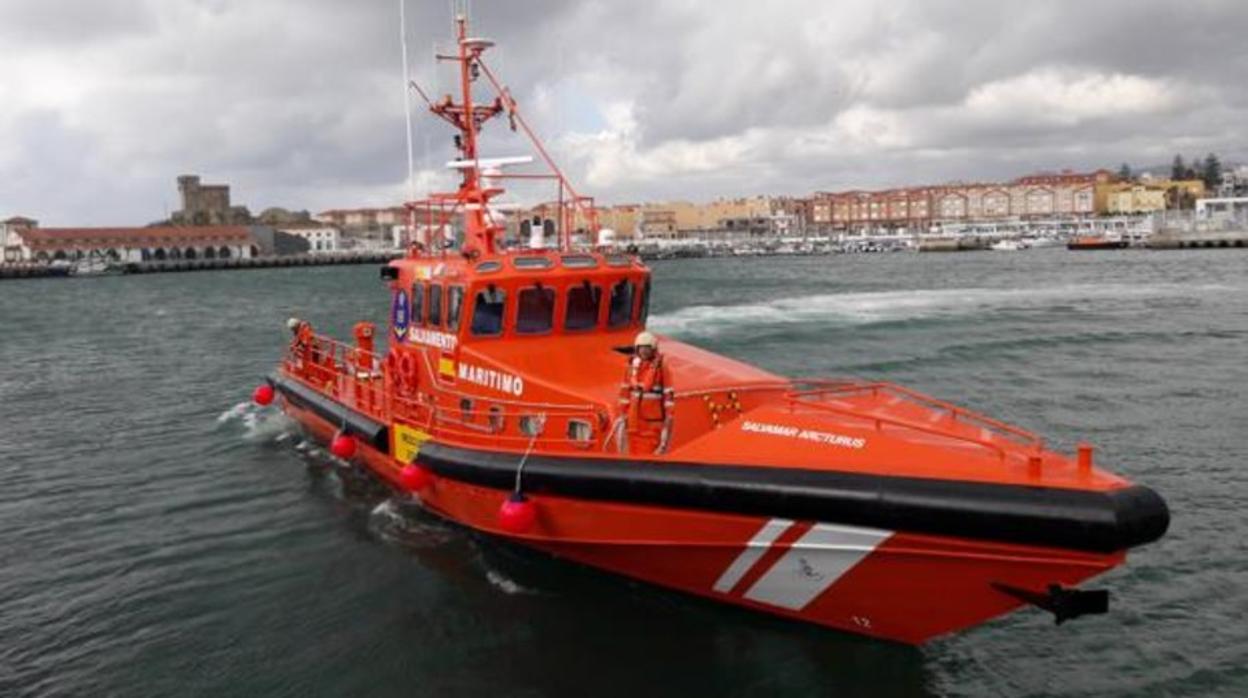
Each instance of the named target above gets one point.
<point>34,244</point>
<point>918,208</point>
<point>1227,210</point>
<point>363,218</point>
<point>10,237</point>
<point>1130,198</point>
<point>1234,183</point>
<point>658,222</point>
<point>321,237</point>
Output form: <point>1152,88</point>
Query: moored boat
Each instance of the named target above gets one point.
<point>1096,242</point>
<point>521,395</point>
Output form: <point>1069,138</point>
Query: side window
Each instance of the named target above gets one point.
<point>621,312</point>
<point>537,310</point>
<point>644,313</point>
<point>582,311</point>
<point>435,305</point>
<point>418,304</point>
<point>487,312</point>
<point>454,304</point>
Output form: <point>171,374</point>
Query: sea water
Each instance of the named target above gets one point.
<point>159,535</point>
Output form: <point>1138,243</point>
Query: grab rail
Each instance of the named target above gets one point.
<point>350,373</point>
<point>825,388</point>
<point>361,379</point>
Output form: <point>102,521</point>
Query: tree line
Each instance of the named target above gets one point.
<point>1208,170</point>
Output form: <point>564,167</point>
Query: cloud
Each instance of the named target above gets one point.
<point>1068,97</point>
<point>104,102</point>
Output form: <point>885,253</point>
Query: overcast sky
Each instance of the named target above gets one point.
<point>300,104</point>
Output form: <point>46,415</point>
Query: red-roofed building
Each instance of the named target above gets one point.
<point>27,244</point>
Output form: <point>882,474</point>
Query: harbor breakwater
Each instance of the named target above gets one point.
<point>27,271</point>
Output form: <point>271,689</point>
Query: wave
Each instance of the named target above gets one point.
<point>865,308</point>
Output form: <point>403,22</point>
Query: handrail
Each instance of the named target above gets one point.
<point>331,365</point>
<point>923,399</point>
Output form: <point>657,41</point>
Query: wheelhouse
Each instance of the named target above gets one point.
<point>516,296</point>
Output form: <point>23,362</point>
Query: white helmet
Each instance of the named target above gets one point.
<point>646,339</point>
<point>293,324</point>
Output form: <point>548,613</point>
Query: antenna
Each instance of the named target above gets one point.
<point>407,102</point>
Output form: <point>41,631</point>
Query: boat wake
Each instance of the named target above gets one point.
<point>866,308</point>
<point>258,424</point>
<point>501,582</point>
<point>391,522</point>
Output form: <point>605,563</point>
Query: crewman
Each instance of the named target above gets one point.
<point>362,356</point>
<point>648,395</point>
<point>300,341</point>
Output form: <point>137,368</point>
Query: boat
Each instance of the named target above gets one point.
<point>1096,242</point>
<point>500,398</point>
<point>95,266</point>
<point>1007,245</point>
<point>1041,242</point>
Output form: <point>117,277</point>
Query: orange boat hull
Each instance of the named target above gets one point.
<point>892,585</point>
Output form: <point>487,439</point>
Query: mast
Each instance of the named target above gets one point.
<point>479,177</point>
<point>407,117</point>
<point>467,118</point>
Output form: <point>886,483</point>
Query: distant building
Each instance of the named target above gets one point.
<point>10,237</point>
<point>207,204</point>
<point>1045,195</point>
<point>1234,183</point>
<point>363,218</point>
<point>34,244</point>
<point>658,222</point>
<point>1135,199</point>
<point>1228,209</point>
<point>321,237</point>
<point>756,215</point>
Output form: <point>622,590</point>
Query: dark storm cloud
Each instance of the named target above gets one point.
<point>103,102</point>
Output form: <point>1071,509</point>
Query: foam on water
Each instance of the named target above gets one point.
<point>865,308</point>
<point>259,424</point>
<point>391,522</point>
<point>508,586</point>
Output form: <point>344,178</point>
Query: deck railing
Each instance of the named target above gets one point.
<point>815,394</point>
<point>360,379</point>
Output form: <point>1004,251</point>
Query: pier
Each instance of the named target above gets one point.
<point>1190,240</point>
<point>155,267</point>
<point>32,270</point>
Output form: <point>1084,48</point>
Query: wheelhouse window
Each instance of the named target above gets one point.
<point>621,310</point>
<point>418,304</point>
<point>532,263</point>
<point>644,312</point>
<point>582,310</point>
<point>454,305</point>
<point>487,312</point>
<point>536,313</point>
<point>435,305</point>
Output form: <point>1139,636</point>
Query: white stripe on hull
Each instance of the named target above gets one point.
<point>819,558</point>
<point>753,551</point>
